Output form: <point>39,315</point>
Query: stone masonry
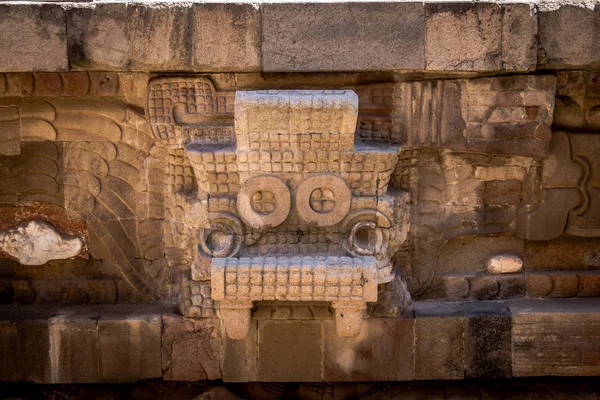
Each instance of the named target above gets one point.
<point>287,192</point>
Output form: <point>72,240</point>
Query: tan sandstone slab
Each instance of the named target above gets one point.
<point>463,37</point>
<point>290,351</point>
<point>226,37</point>
<point>556,337</point>
<point>191,348</point>
<point>129,342</point>
<point>342,37</point>
<point>383,351</point>
<point>32,37</point>
<point>97,36</point>
<point>207,37</point>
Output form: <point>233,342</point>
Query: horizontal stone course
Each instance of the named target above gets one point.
<point>292,37</point>
<point>433,340</point>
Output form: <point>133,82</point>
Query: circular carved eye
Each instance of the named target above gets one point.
<point>221,236</point>
<point>323,200</point>
<point>219,240</point>
<point>264,202</point>
<point>365,238</point>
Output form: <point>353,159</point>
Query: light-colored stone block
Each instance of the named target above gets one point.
<point>226,37</point>
<point>343,37</point>
<point>32,37</point>
<point>159,36</point>
<point>463,37</point>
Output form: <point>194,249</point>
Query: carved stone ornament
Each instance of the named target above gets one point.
<point>37,242</point>
<point>288,208</point>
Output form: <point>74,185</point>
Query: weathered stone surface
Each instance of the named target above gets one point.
<point>159,36</point>
<point>10,131</point>
<point>342,37</point>
<point>226,37</point>
<point>577,100</point>
<point>33,37</point>
<point>38,242</point>
<point>501,115</point>
<point>191,349</point>
<point>463,37</point>
<point>98,36</point>
<point>488,351</point>
<point>519,37</point>
<point>24,349</point>
<point>383,351</point>
<point>49,345</point>
<point>439,343</point>
<point>553,337</point>
<point>290,351</point>
<point>240,357</point>
<point>453,258</point>
<point>129,343</point>
<point>569,36</point>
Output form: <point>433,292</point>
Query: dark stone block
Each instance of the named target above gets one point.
<point>488,352</point>
<point>290,351</point>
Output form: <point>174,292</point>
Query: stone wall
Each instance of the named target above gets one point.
<point>286,192</point>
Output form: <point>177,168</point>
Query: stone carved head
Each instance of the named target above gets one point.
<point>289,208</point>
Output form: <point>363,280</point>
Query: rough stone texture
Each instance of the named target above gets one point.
<point>555,337</point>
<point>342,37</point>
<point>501,115</point>
<point>383,351</point>
<point>207,37</point>
<point>98,36</point>
<point>33,37</point>
<point>240,357</point>
<point>519,37</point>
<point>439,342</point>
<point>158,36</point>
<point>129,344</point>
<point>38,242</point>
<point>49,345</point>
<point>488,351</point>
<point>463,37</point>
<point>569,36</point>
<point>10,126</point>
<point>290,351</point>
<point>226,37</point>
<point>191,349</point>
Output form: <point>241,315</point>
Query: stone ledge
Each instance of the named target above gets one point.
<point>272,36</point>
<point>434,340</point>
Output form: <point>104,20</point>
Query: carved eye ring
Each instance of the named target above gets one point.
<point>264,202</point>
<point>367,232</point>
<point>323,200</point>
<point>221,237</point>
<point>366,239</point>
